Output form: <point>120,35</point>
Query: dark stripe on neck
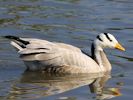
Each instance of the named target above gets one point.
<point>106,34</point>
<point>92,51</point>
<point>98,37</point>
<point>93,56</point>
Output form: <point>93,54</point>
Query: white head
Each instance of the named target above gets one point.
<point>107,40</point>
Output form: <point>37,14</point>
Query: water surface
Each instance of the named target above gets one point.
<point>76,22</point>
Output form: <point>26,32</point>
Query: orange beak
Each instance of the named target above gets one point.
<point>119,47</point>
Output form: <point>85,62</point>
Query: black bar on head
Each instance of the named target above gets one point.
<point>106,34</point>
<point>98,37</point>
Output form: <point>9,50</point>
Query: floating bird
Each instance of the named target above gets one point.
<point>56,57</point>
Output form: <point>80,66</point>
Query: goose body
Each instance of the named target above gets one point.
<point>57,57</point>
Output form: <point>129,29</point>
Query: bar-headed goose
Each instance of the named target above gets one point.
<point>55,57</point>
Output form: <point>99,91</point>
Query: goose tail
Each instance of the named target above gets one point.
<point>17,42</point>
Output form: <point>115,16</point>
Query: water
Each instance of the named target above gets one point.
<point>76,22</point>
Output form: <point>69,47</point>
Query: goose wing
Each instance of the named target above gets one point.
<point>39,50</point>
<point>56,54</point>
<point>44,50</point>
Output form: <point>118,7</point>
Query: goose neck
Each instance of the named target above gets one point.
<point>96,55</point>
<point>100,57</point>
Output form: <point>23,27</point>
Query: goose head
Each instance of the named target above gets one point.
<point>107,40</point>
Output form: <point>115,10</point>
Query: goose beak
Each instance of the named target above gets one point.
<point>119,47</point>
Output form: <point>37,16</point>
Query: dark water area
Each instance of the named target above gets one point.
<point>76,22</point>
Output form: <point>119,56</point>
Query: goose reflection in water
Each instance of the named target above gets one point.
<point>38,85</point>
